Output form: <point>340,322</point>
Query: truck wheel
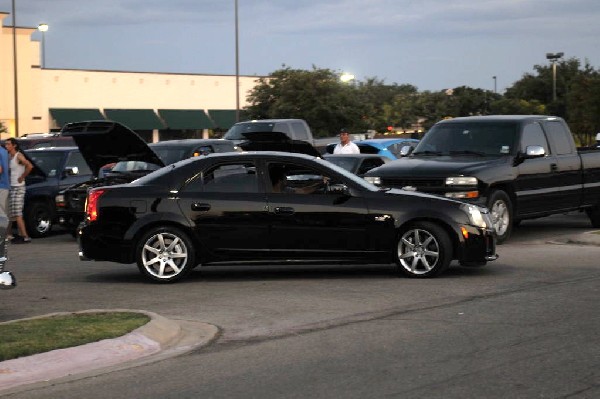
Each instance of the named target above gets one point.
<point>165,254</point>
<point>594,215</point>
<point>38,218</point>
<point>501,213</point>
<point>424,250</point>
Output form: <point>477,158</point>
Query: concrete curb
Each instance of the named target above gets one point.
<point>587,238</point>
<point>158,339</point>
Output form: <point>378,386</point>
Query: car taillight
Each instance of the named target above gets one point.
<point>91,205</point>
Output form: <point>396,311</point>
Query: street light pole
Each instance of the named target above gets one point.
<point>493,77</point>
<point>554,57</point>
<point>14,32</point>
<point>43,28</point>
<point>237,67</point>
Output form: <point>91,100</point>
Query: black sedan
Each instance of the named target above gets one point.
<point>224,208</point>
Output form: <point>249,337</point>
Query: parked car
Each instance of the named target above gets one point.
<point>359,164</point>
<point>44,140</point>
<point>520,166</point>
<point>389,148</point>
<point>7,279</point>
<point>275,141</point>
<point>294,129</point>
<point>55,169</point>
<point>118,155</point>
<point>223,208</point>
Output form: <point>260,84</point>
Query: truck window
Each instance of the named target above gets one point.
<point>533,135</point>
<point>76,159</point>
<point>559,138</point>
<point>300,132</point>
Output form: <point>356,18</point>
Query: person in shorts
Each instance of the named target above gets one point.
<point>19,167</point>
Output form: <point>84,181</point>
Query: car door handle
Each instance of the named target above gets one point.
<point>201,207</point>
<point>553,167</point>
<point>284,210</point>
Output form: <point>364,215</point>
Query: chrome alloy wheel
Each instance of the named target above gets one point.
<point>500,216</point>
<point>164,255</point>
<point>418,251</point>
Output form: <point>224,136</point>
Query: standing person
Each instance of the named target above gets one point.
<point>345,146</point>
<point>4,182</point>
<point>20,167</point>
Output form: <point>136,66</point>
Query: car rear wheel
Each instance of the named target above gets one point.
<point>165,254</point>
<point>38,219</point>
<point>424,250</point>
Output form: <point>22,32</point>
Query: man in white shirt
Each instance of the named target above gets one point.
<point>345,146</point>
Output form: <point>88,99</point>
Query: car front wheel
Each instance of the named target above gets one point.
<point>38,219</point>
<point>424,250</point>
<point>165,255</point>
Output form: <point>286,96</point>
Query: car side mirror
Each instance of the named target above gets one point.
<point>405,150</point>
<point>534,151</point>
<point>71,170</point>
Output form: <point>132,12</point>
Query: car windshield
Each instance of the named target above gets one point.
<point>473,138</point>
<point>345,162</point>
<point>133,166</point>
<point>351,176</point>
<point>236,132</point>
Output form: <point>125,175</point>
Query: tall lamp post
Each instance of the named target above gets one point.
<point>43,28</point>
<point>493,77</point>
<point>14,32</point>
<point>237,67</point>
<point>554,57</point>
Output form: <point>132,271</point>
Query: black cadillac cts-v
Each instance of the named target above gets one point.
<point>272,206</point>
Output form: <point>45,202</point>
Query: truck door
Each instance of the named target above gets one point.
<point>534,185</point>
<point>567,177</point>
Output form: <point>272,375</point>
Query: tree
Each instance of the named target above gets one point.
<point>317,96</point>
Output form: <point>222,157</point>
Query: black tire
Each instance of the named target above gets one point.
<point>424,249</point>
<point>39,218</point>
<point>594,215</point>
<point>165,254</point>
<point>501,212</point>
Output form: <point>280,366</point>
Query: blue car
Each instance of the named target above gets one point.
<point>389,148</point>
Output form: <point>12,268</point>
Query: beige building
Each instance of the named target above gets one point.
<point>157,105</point>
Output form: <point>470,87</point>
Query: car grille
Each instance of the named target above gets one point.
<point>76,200</point>
<point>432,185</point>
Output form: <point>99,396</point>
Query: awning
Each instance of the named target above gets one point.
<point>185,119</point>
<point>135,119</point>
<point>63,116</point>
<point>223,118</point>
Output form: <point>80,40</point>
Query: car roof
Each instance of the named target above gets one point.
<point>353,156</point>
<point>270,120</point>
<point>385,141</point>
<point>191,142</point>
<point>499,118</point>
<point>53,149</point>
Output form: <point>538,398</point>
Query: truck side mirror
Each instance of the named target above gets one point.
<point>405,150</point>
<point>71,170</point>
<point>534,151</point>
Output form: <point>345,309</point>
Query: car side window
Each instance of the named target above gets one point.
<point>300,132</point>
<point>290,178</point>
<point>558,137</point>
<point>227,178</point>
<point>533,135</point>
<point>75,159</point>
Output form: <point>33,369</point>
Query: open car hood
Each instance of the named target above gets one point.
<point>276,141</point>
<point>104,142</point>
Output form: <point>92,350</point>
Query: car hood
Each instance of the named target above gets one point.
<point>433,167</point>
<point>276,141</point>
<point>104,142</point>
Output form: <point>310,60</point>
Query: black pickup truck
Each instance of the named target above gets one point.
<point>519,166</point>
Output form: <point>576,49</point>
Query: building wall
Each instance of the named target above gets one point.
<point>41,89</point>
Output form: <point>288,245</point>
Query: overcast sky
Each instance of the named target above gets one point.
<point>432,44</point>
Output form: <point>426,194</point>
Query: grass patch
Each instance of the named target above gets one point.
<point>28,337</point>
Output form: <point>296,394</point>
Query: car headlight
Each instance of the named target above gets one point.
<point>476,217</point>
<point>461,181</point>
<point>373,180</point>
